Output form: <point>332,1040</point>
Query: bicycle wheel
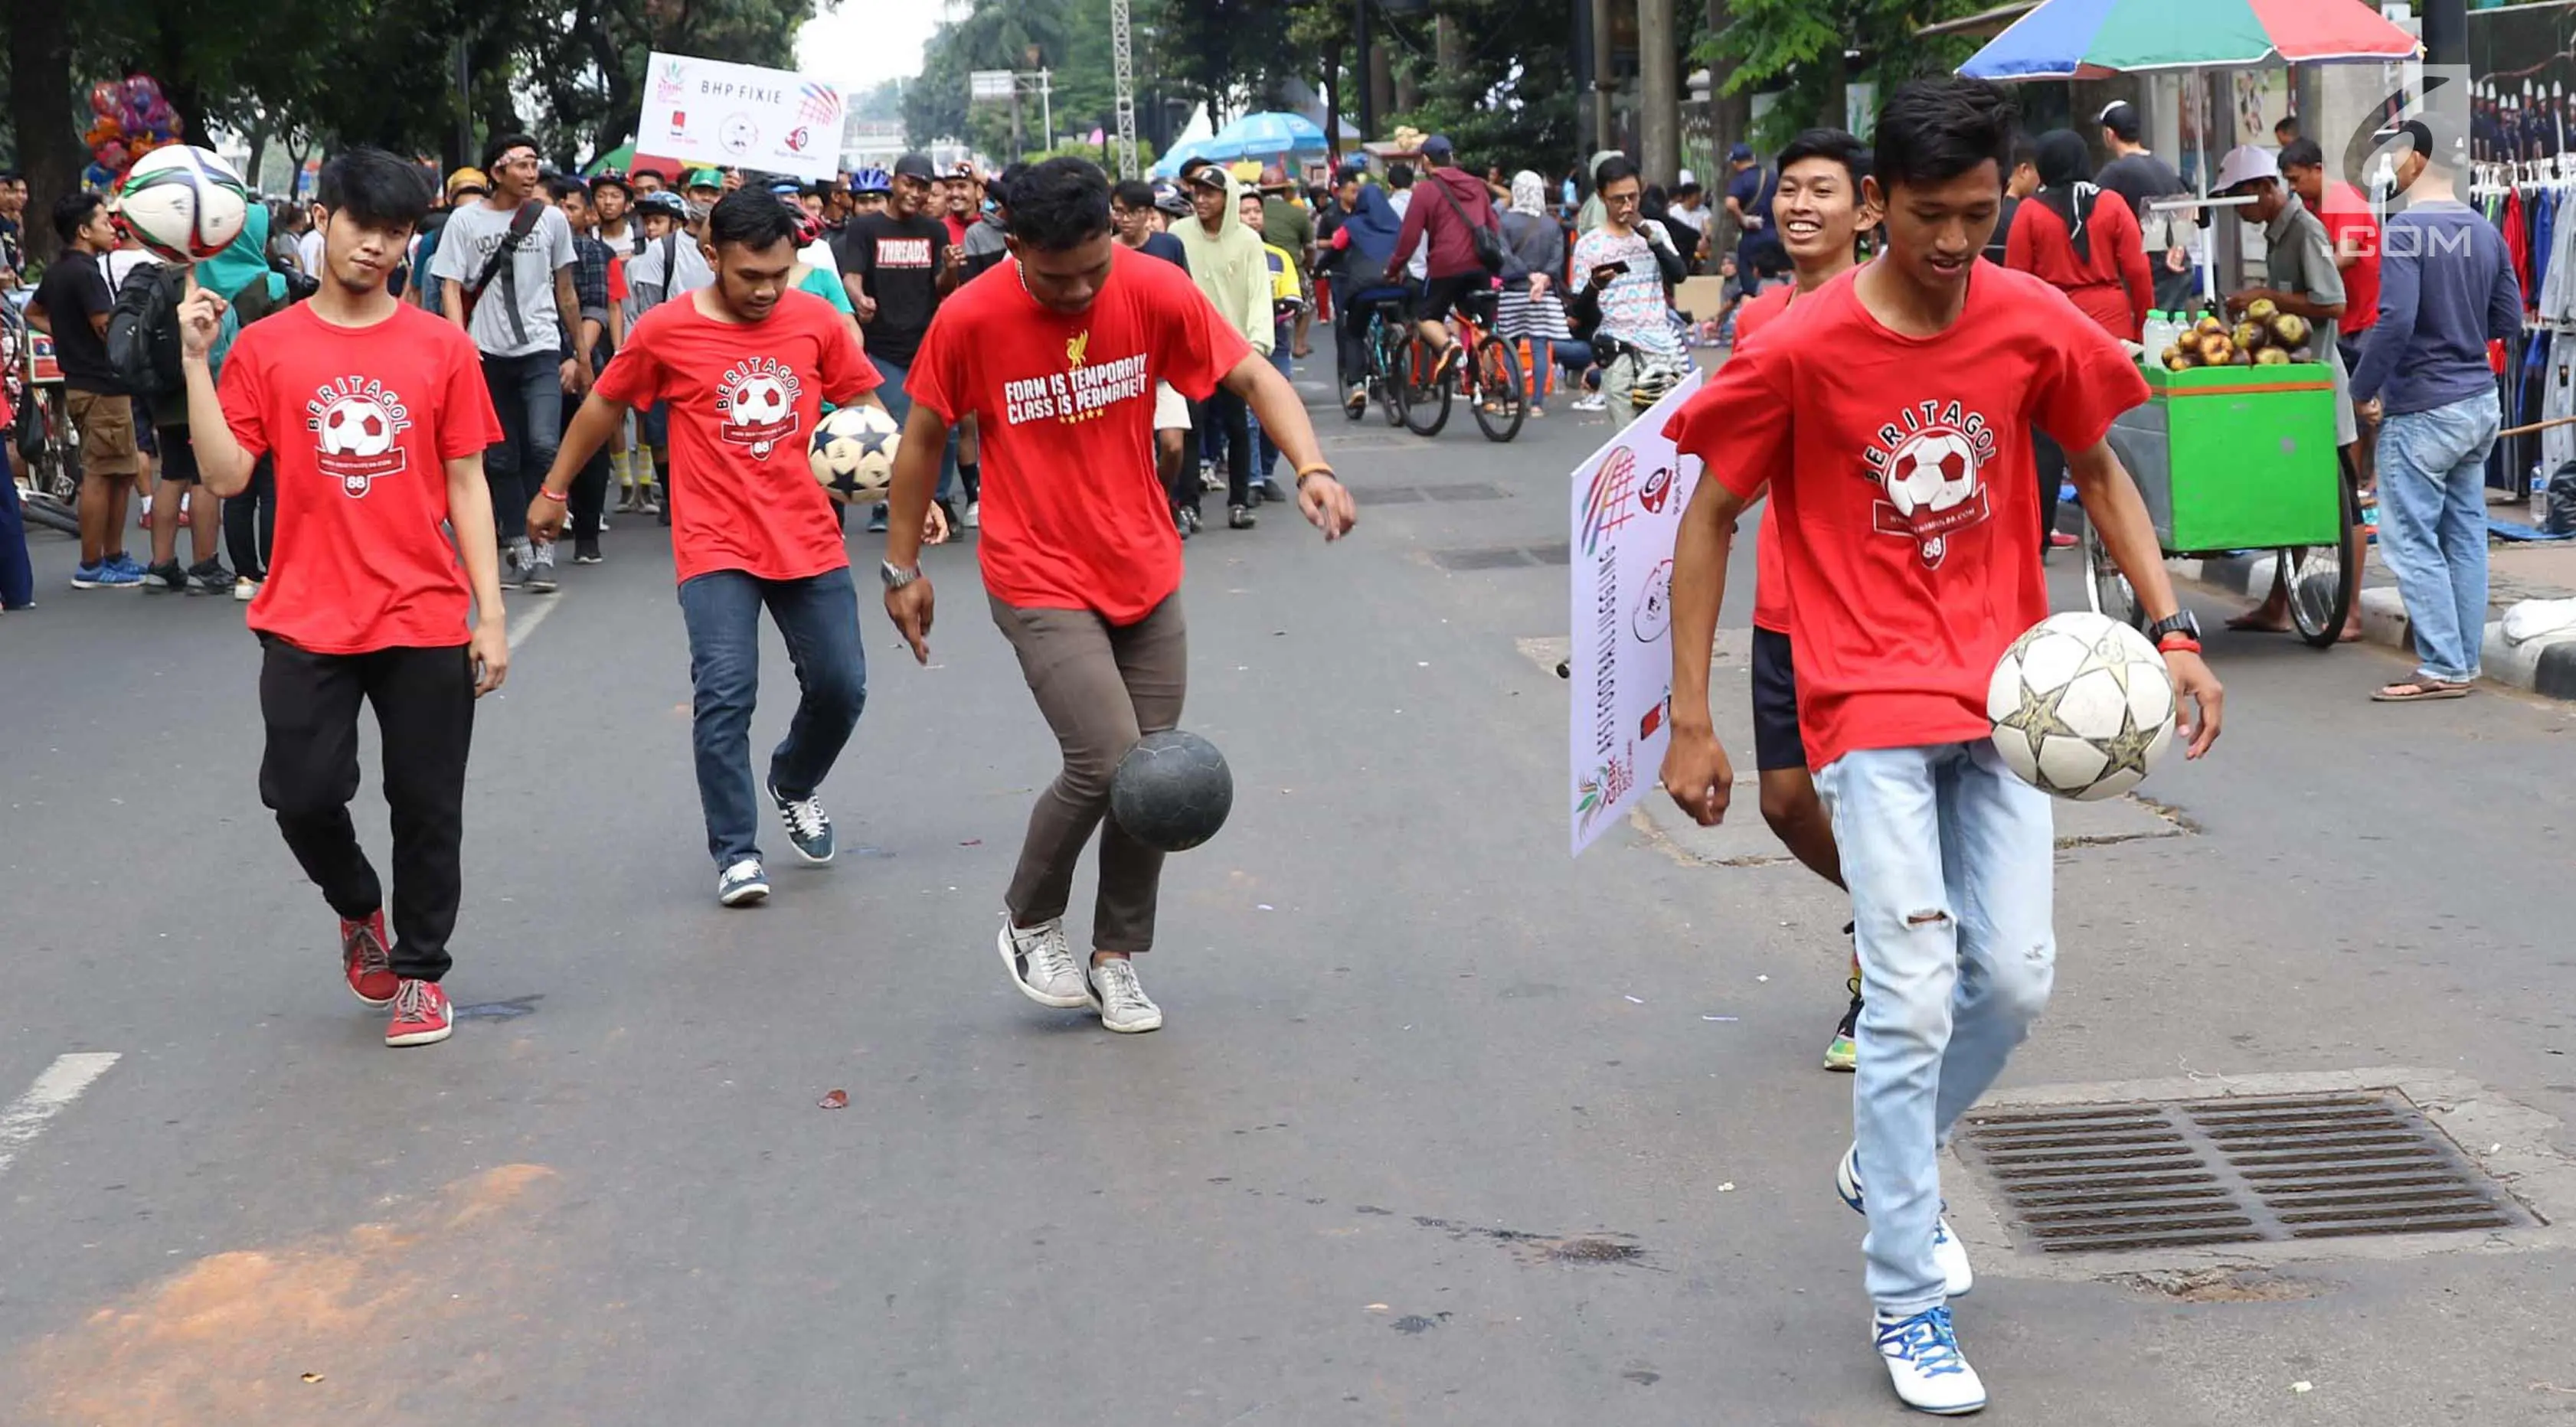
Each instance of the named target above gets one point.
<point>2105,588</point>
<point>2321,580</point>
<point>1501,400</point>
<point>1426,401</point>
<point>1385,382</point>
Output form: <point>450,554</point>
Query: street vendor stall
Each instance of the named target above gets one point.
<point>2235,448</point>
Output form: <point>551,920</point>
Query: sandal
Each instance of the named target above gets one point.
<point>2419,689</point>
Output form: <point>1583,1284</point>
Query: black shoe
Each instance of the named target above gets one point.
<point>1240,517</point>
<point>585,550</point>
<point>1273,491</point>
<point>950,512</point>
<point>877,520</point>
<point>165,578</point>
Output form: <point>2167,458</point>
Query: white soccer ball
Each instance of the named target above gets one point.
<point>2082,706</point>
<point>1934,471</point>
<point>356,426</point>
<point>852,453</point>
<point>183,203</point>
<point>760,401</point>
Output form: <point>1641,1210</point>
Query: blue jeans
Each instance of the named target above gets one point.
<point>819,618</point>
<point>2433,528</point>
<point>899,402</point>
<point>1951,862</point>
<point>528,394</point>
<point>1265,450</point>
<point>17,576</point>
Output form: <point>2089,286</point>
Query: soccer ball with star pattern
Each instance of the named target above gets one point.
<point>852,452</point>
<point>2082,706</point>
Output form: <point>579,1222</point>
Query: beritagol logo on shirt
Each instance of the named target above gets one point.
<point>1929,465</point>
<point>756,402</point>
<point>357,423</point>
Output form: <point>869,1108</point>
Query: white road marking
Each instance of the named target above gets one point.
<point>59,1086</point>
<point>526,622</point>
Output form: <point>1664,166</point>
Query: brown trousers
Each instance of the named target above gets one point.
<point>1101,686</point>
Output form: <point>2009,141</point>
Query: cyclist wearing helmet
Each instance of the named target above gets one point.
<point>868,190</point>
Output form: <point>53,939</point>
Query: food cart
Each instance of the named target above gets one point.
<point>2229,458</point>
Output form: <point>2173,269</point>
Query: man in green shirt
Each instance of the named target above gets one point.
<point>1287,223</point>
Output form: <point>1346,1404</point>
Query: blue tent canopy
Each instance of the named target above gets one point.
<point>1266,135</point>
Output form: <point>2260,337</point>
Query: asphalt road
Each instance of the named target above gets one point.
<point>1439,1131</point>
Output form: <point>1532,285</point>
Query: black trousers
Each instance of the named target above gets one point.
<point>2050,459</point>
<point>250,522</point>
<point>424,702</point>
<point>588,497</point>
<point>1225,413</point>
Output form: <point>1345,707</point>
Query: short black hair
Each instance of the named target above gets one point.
<point>2121,118</point>
<point>1000,188</point>
<point>1133,193</point>
<point>1193,165</point>
<point>11,175</point>
<point>1399,175</point>
<point>752,218</point>
<point>1613,169</point>
<point>2303,153</point>
<point>561,187</point>
<point>1934,130</point>
<point>71,214</point>
<point>1837,145</point>
<point>1059,204</point>
<point>500,144</point>
<point>2286,121</point>
<point>374,188</point>
<point>2025,151</point>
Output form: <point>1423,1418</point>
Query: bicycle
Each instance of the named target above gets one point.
<point>1490,378</point>
<point>45,460</point>
<point>1385,349</point>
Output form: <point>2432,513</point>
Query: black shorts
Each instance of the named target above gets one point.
<point>1776,743</point>
<point>178,455</point>
<point>1440,294</point>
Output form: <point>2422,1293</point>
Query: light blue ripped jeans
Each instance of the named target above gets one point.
<point>1951,864</point>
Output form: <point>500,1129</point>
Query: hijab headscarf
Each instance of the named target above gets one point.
<point>1373,226</point>
<point>244,259</point>
<point>2066,186</point>
<point>1529,194</point>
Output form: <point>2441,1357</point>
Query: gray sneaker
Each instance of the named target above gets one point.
<point>743,884</point>
<point>1042,965</point>
<point>1120,998</point>
<point>514,573</point>
<point>541,571</point>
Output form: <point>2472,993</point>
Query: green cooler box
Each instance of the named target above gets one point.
<point>2236,458</point>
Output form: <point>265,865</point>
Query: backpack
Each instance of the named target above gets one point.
<point>1488,242</point>
<point>143,331</point>
<point>521,223</point>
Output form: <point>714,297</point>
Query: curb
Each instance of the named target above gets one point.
<point>2545,666</point>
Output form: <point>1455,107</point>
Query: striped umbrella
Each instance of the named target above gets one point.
<point>2090,39</point>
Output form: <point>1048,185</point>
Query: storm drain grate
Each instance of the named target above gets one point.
<point>2179,1173</point>
<point>1416,495</point>
<point>1502,557</point>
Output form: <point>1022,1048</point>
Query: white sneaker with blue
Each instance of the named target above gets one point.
<point>1957,1277</point>
<point>743,884</point>
<point>1923,1360</point>
<point>809,828</point>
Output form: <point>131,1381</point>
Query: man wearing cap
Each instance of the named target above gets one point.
<point>702,187</point>
<point>1288,225</point>
<point>2446,289</point>
<point>2140,178</point>
<point>1454,202</point>
<point>962,200</point>
<point>465,186</point>
<point>2301,278</point>
<point>898,265</point>
<point>1227,262</point>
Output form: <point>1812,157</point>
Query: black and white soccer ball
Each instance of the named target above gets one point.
<point>183,204</point>
<point>1172,791</point>
<point>2082,706</point>
<point>852,452</point>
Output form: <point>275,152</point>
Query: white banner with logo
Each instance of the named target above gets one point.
<point>1627,505</point>
<point>707,111</point>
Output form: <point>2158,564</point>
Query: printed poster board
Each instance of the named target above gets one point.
<point>706,111</point>
<point>1627,502</point>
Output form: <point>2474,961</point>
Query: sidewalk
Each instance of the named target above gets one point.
<point>2516,572</point>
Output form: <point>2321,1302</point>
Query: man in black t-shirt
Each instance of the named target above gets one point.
<point>897,266</point>
<point>2140,178</point>
<point>72,303</point>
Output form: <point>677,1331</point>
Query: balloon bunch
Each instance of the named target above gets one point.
<point>130,118</point>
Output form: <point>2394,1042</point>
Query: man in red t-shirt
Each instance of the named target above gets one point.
<point>1899,608</point>
<point>1057,352</point>
<point>375,416</point>
<point>1820,212</point>
<point>743,368</point>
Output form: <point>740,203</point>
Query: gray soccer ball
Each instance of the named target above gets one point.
<point>1172,791</point>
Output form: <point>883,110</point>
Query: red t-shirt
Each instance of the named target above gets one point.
<point>1074,516</point>
<point>360,423</point>
<point>2347,215</point>
<point>1770,583</point>
<point>743,398</point>
<point>1901,469</point>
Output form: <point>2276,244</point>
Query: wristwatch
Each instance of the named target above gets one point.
<point>897,576</point>
<point>2179,622</point>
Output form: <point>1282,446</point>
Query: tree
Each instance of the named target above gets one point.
<point>1803,48</point>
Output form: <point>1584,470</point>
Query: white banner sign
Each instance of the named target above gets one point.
<point>706,111</point>
<point>1628,500</point>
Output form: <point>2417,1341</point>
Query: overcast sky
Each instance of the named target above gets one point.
<point>863,43</point>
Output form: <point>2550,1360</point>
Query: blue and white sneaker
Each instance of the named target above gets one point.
<point>1956,1274</point>
<point>1923,1360</point>
<point>809,828</point>
<point>110,574</point>
<point>743,884</point>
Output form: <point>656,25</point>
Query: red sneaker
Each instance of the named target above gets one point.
<point>363,959</point>
<point>420,1015</point>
